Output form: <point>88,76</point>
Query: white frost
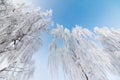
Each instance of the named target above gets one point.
<point>86,55</point>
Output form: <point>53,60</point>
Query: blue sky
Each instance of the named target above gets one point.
<point>86,13</point>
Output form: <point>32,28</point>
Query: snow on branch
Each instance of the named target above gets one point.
<point>86,55</point>
<point>20,28</point>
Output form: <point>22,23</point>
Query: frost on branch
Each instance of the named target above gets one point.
<point>20,28</point>
<point>85,55</point>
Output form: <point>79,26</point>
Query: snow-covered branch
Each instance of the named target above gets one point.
<point>85,55</point>
<point>20,27</point>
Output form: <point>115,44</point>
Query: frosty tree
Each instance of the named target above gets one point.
<point>85,55</point>
<point>20,27</point>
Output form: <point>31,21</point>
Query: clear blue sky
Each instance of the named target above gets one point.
<point>86,13</point>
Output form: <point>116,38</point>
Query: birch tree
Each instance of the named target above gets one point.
<point>85,55</point>
<point>20,27</point>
